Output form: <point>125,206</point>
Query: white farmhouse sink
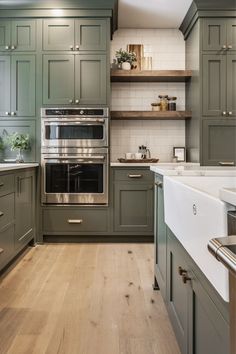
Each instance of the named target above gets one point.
<point>195,214</point>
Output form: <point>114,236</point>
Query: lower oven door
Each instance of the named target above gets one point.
<point>76,179</point>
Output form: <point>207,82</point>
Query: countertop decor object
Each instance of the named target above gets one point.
<point>18,142</point>
<point>138,49</point>
<point>126,59</point>
<point>122,160</point>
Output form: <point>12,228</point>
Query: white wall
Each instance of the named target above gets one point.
<point>167,49</point>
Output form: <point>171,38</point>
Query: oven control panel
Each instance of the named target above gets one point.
<point>79,112</point>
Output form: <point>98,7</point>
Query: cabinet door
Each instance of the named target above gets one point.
<point>91,79</point>
<point>231,85</point>
<point>133,207</point>
<point>24,207</point>
<point>231,33</point>
<point>58,34</point>
<point>214,34</point>
<point>90,34</point>
<point>5,71</point>
<point>218,141</point>
<point>5,34</point>
<point>23,85</point>
<point>214,85</point>
<point>58,79</point>
<point>178,293</point>
<point>210,331</point>
<point>24,35</point>
<point>160,237</point>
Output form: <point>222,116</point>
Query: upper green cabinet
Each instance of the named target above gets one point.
<point>17,85</point>
<point>17,35</point>
<point>75,35</point>
<point>219,34</point>
<point>83,77</point>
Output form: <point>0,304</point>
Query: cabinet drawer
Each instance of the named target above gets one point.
<point>6,184</point>
<point>6,210</point>
<point>6,245</point>
<point>133,175</point>
<point>74,221</point>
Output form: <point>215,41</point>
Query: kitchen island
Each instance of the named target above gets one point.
<point>17,209</point>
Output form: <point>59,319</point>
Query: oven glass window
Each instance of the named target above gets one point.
<point>69,132</point>
<point>74,178</point>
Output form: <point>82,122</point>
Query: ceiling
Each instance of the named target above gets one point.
<point>152,13</point>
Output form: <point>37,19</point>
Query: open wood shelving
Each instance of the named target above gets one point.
<point>150,115</point>
<point>150,75</point>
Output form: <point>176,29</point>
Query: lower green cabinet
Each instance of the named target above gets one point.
<point>199,322</point>
<point>24,207</point>
<point>133,206</point>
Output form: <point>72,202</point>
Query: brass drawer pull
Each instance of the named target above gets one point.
<point>185,278</point>
<point>74,221</point>
<point>181,271</point>
<point>1,250</point>
<point>159,184</point>
<point>1,213</point>
<point>227,163</point>
<point>135,176</point>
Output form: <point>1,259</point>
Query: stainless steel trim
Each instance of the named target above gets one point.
<point>74,221</point>
<point>218,247</point>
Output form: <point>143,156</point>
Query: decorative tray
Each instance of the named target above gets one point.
<point>122,160</point>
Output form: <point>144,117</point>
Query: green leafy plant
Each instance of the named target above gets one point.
<point>1,144</point>
<point>18,141</point>
<point>123,56</point>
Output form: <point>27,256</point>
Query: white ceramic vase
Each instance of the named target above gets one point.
<point>126,66</point>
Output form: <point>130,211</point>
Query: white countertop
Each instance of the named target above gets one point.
<point>16,166</point>
<point>158,164</point>
<point>228,195</point>
<point>192,170</point>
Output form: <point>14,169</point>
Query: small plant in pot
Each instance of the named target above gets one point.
<point>125,58</point>
<point>19,142</point>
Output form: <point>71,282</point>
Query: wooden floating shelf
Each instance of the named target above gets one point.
<point>150,115</point>
<point>150,75</point>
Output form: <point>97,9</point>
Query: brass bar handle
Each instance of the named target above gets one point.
<point>185,278</point>
<point>159,184</point>
<point>227,163</point>
<point>18,185</point>
<point>1,213</point>
<point>1,250</point>
<point>74,221</point>
<point>135,176</point>
<point>182,271</point>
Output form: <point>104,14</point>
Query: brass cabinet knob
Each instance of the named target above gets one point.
<point>71,47</point>
<point>77,47</point>
<point>229,46</point>
<point>13,47</point>
<point>13,113</point>
<point>224,113</point>
<point>230,113</point>
<point>224,47</point>
<point>77,101</point>
<point>7,47</point>
<point>7,113</point>
<point>70,101</point>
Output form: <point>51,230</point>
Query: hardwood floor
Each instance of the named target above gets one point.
<point>84,299</point>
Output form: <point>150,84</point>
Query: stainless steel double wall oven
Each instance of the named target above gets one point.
<point>75,155</point>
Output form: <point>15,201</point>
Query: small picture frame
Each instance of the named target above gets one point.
<point>179,153</point>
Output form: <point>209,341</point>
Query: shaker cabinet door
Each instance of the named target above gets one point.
<point>231,35</point>
<point>23,35</point>
<point>214,85</point>
<point>231,85</point>
<point>5,35</point>
<point>90,79</point>
<point>58,34</point>
<point>90,34</point>
<point>218,142</point>
<point>214,34</point>
<point>58,79</point>
<point>5,70</point>
<point>23,85</point>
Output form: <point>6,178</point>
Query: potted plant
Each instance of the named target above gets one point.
<point>19,142</point>
<point>126,59</point>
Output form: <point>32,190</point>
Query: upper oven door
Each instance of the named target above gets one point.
<point>81,132</point>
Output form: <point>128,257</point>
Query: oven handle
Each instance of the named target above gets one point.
<point>81,121</point>
<point>74,158</point>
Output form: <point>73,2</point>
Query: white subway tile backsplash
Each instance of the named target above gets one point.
<point>167,49</point>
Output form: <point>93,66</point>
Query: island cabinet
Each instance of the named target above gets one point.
<point>17,212</point>
<point>198,315</point>
<point>132,201</point>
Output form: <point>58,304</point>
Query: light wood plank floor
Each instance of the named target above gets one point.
<point>84,299</point>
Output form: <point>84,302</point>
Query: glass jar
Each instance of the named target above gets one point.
<point>172,103</point>
<point>163,102</point>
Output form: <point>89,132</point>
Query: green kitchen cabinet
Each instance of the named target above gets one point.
<point>24,207</point>
<point>17,85</point>
<point>219,34</point>
<point>74,35</point>
<point>84,79</point>
<point>133,201</point>
<point>231,85</point>
<point>198,314</point>
<point>17,35</point>
<point>219,142</point>
<point>160,237</point>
